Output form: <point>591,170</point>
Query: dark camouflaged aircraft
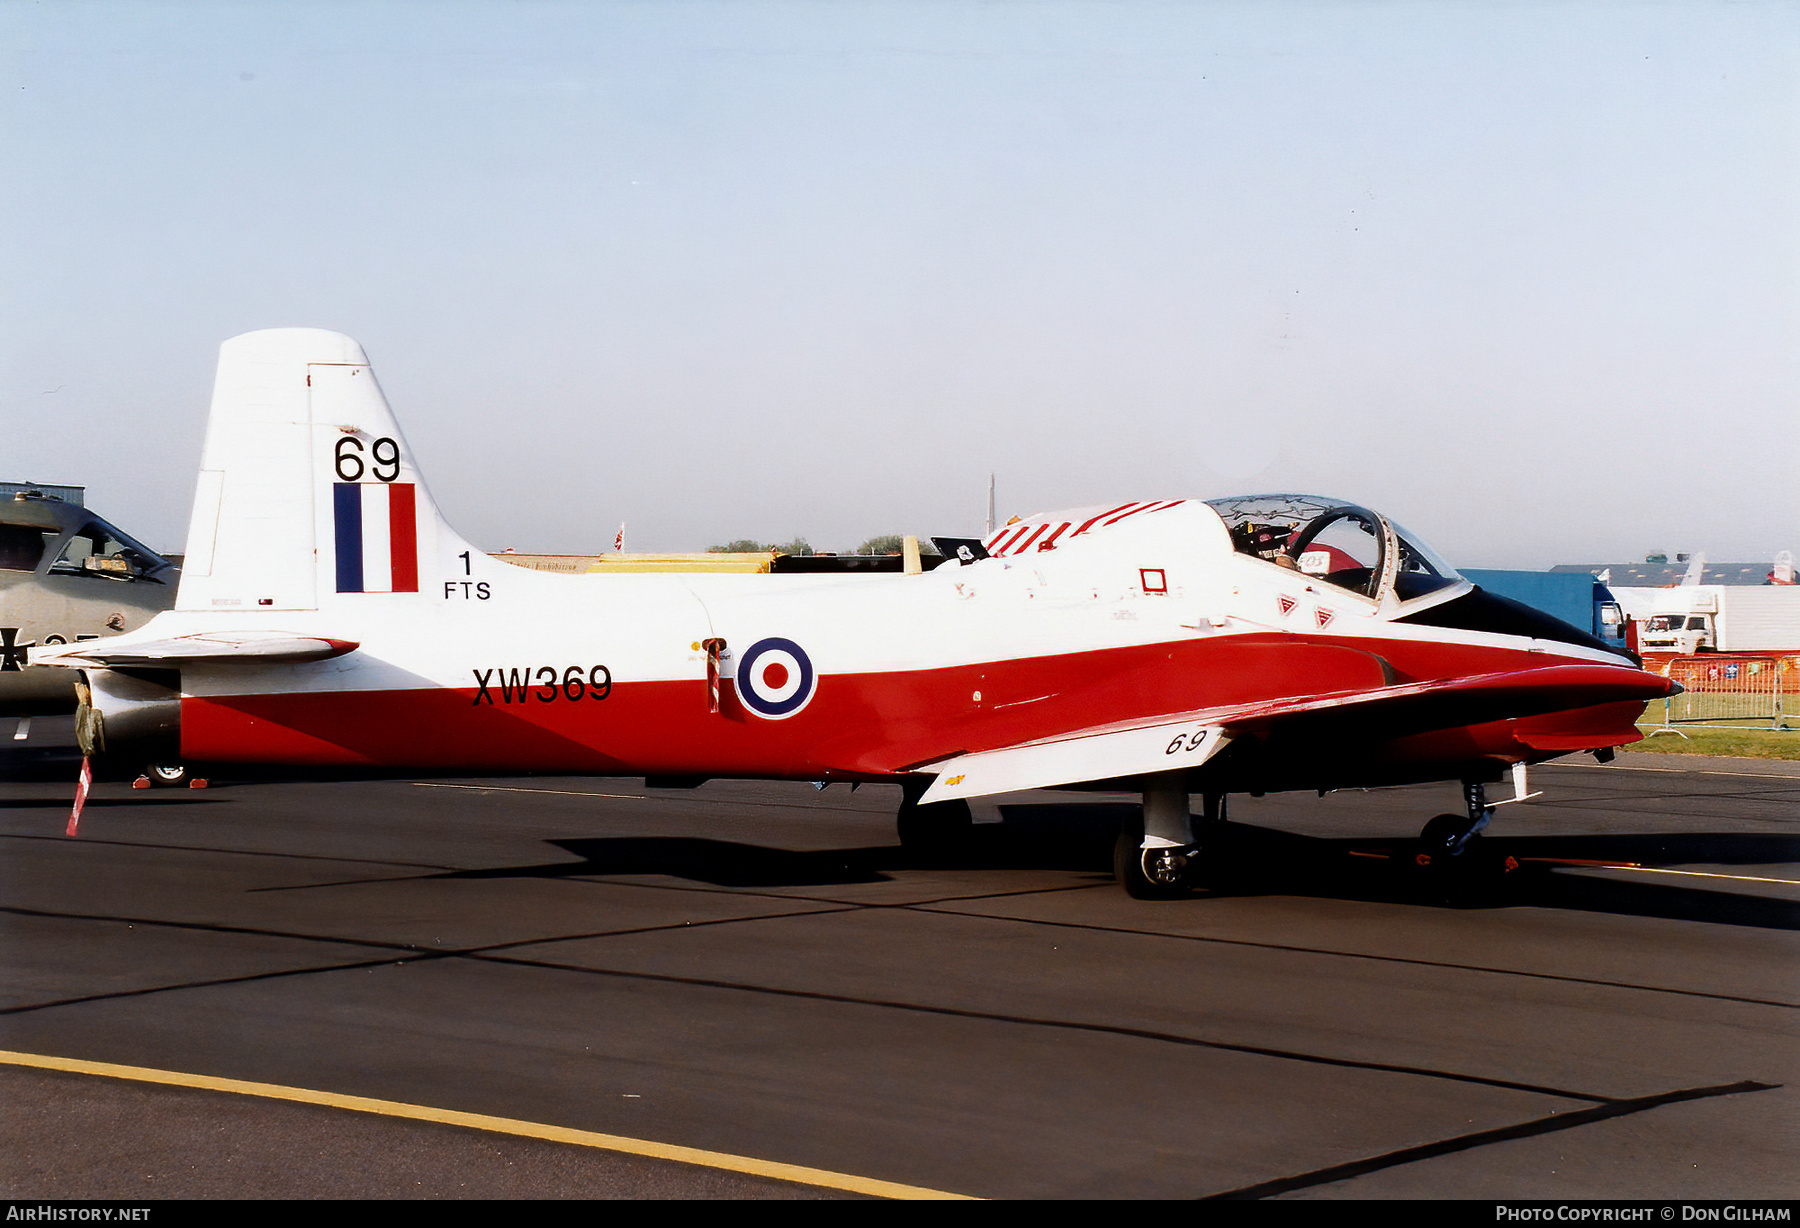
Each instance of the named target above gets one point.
<point>67,575</point>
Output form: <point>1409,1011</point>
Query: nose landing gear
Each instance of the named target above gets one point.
<point>1450,848</point>
<point>1448,835</point>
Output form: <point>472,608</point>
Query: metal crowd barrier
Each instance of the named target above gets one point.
<point>1718,688</point>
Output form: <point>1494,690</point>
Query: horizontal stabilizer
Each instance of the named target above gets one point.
<point>212,648</point>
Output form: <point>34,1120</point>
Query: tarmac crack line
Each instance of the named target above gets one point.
<point>247,979</point>
<point>403,953</point>
<point>1072,1025</point>
<point>412,955</point>
<point>93,841</point>
<point>1485,1138</point>
<point>207,927</point>
<point>414,949</point>
<point>484,952</point>
<point>1363,955</point>
<point>416,955</point>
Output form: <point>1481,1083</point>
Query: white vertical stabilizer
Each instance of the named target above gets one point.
<point>308,492</point>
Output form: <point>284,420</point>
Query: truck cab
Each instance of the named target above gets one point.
<point>1684,634</point>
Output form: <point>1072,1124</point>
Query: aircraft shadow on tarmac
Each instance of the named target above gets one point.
<point>40,763</point>
<point>1244,860</point>
<point>183,798</point>
<point>718,863</point>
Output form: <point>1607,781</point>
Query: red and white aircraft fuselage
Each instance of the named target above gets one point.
<point>328,615</point>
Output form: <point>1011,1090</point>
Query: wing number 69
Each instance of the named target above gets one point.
<point>1185,742</point>
<point>384,454</point>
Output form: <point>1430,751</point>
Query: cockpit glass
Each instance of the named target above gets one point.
<point>1327,539</point>
<point>98,549</point>
<point>1420,571</point>
<point>1330,540</point>
<point>1341,548</point>
<point>1263,525</point>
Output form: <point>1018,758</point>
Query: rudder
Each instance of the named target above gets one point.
<point>307,490</point>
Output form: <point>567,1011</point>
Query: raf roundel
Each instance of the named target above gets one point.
<point>775,678</point>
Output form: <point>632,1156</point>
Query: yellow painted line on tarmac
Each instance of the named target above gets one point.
<point>498,1125</point>
<point>1738,878</point>
<point>1680,771</point>
<point>628,797</point>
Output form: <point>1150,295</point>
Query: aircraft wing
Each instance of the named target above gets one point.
<point>210,648</point>
<point>1091,755</point>
<point>1182,741</point>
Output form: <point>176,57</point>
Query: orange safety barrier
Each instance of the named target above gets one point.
<point>1735,687</point>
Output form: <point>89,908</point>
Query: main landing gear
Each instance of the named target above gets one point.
<point>166,775</point>
<point>1157,857</point>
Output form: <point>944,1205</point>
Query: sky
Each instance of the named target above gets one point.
<point>1523,276</point>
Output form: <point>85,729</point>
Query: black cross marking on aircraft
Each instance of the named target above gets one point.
<point>12,654</point>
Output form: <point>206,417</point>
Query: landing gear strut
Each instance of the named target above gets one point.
<point>1156,857</point>
<point>1448,835</point>
<point>1449,844</point>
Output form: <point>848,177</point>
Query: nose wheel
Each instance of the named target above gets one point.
<point>1450,844</point>
<point>1448,836</point>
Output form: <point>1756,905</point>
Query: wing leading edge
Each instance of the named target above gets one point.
<point>1183,741</point>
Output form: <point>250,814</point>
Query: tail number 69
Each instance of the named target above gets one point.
<point>384,454</point>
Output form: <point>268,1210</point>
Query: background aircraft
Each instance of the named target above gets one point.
<point>328,615</point>
<point>67,576</point>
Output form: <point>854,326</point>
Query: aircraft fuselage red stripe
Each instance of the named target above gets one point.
<point>867,725</point>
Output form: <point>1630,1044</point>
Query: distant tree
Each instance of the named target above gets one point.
<point>742,545</point>
<point>798,546</point>
<point>893,543</point>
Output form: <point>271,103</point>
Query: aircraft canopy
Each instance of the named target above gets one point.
<point>1336,542</point>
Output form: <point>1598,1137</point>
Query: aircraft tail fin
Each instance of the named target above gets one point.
<point>308,492</point>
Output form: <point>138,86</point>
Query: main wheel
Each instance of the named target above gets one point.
<point>167,775</point>
<point>1148,874</point>
<point>935,832</point>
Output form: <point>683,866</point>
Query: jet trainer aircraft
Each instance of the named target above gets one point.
<point>328,615</point>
